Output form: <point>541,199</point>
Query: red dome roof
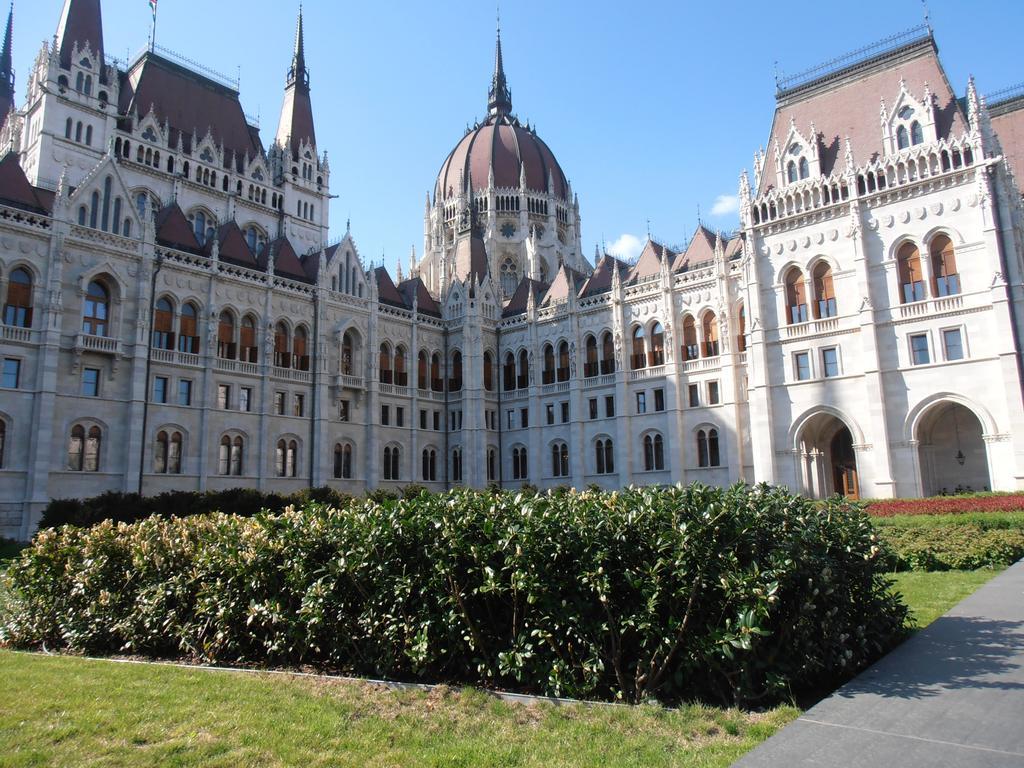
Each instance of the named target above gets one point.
<point>505,144</point>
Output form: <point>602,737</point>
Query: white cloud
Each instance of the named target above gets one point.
<point>627,247</point>
<point>724,205</point>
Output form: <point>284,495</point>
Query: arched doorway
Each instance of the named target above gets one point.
<point>952,451</point>
<point>827,459</point>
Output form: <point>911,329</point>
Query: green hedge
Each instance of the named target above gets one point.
<point>737,595</point>
<point>956,546</point>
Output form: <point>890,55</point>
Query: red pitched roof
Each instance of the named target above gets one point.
<point>517,304</point>
<point>173,230</point>
<point>424,301</point>
<point>1008,123</point>
<point>566,282</point>
<point>700,250</point>
<point>233,248</point>
<point>15,190</point>
<point>649,262</point>
<point>601,279</point>
<point>286,261</point>
<point>80,22</point>
<point>386,290</point>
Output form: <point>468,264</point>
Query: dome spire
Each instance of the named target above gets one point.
<point>499,97</point>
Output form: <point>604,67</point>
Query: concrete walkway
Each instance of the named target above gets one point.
<point>952,695</point>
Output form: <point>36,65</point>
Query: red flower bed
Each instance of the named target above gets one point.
<point>947,505</point>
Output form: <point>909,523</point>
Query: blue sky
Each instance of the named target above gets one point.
<point>652,108</point>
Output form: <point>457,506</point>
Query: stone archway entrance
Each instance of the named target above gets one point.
<point>952,451</point>
<point>828,462</point>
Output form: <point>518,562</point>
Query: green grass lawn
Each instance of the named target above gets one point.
<point>930,595</point>
<point>64,711</point>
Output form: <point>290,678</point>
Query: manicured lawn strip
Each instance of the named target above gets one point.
<point>984,520</point>
<point>930,595</point>
<point>64,710</point>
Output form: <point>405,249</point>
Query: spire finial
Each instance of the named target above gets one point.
<point>499,97</point>
<point>298,72</point>
<point>6,63</point>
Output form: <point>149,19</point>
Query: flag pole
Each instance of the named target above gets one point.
<point>152,26</point>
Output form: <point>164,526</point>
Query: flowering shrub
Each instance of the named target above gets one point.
<point>947,505</point>
<point>736,595</point>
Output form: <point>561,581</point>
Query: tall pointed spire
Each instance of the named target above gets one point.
<point>499,97</point>
<point>296,125</point>
<point>81,22</point>
<point>7,68</point>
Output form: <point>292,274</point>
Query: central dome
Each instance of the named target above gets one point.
<point>504,144</point>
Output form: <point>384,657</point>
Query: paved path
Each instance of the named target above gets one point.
<point>952,695</point>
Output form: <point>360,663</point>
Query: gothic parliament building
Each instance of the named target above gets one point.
<point>176,316</point>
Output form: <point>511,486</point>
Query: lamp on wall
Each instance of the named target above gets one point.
<point>960,458</point>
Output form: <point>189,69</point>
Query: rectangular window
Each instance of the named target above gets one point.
<point>343,412</point>
<point>713,394</point>
<point>399,416</point>
<point>279,403</point>
<point>12,376</point>
<point>550,412</point>
<point>510,415</point>
<point>298,405</point>
<point>437,421</point>
<point>565,413</point>
<point>524,417</point>
<point>385,415</point>
<point>184,392</point>
<point>609,406</point>
<point>802,366</point>
<point>245,399</point>
<point>953,344</point>
<point>223,396</point>
<point>919,349</point>
<point>659,399</point>
<point>641,402</point>
<point>159,386</point>
<point>830,362</point>
<point>693,395</point>
<point>593,408</point>
<point>423,419</point>
<point>91,382</point>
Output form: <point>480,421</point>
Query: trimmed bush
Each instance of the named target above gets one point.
<point>961,547</point>
<point>948,505</point>
<point>736,595</point>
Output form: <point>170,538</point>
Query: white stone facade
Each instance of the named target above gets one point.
<point>808,349</point>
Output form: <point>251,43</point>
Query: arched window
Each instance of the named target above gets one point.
<point>285,458</point>
<point>174,454</point>
<point>83,213</point>
<point>421,370</point>
<point>520,466</point>
<point>18,308</point>
<point>3,442</point>
<point>392,461</point>
<point>247,340</point>
<point>401,375</point>
<point>509,277</point>
<point>76,448</point>
<point>604,456</point>
<point>523,380</point>
<point>457,465</point>
<point>163,325</point>
<point>226,336</point>
<point>436,382</point>
<point>707,449</point>
<point>91,460</point>
<point>824,292</point>
<point>236,456</point>
<point>160,452</point>
<point>702,449</point>
<point>559,459</point>
<point>902,137</point>
<point>282,354</point>
<point>88,135</point>
<point>509,372</point>
<point>805,169</point>
<point>654,453</point>
<point>80,82</point>
<point>691,350</point>
<point>347,358</point>
<point>791,172</point>
<point>607,353</point>
<point>908,265</point>
<point>563,361</point>
<point>710,323</point>
<point>945,280</point>
<point>229,458</point>
<point>796,296</point>
<point>199,226</point>
<point>657,355</point>
<point>84,449</point>
<point>488,371</point>
<point>492,465</point>
<point>97,309</point>
<point>639,356</point>
<point>343,461</point>
<point>67,128</point>
<point>916,134</point>
<point>741,330</point>
<point>714,459</point>
<point>78,131</point>
<point>455,383</point>
<point>429,468</point>
<point>300,352</point>
<point>548,373</point>
<point>386,376</point>
<point>590,366</point>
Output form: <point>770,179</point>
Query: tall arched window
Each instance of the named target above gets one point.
<point>347,360</point>
<point>509,372</point>
<point>707,449</point>
<point>163,324</point>
<point>3,442</point>
<point>657,356</point>
<point>392,463</point>
<point>520,467</point>
<point>691,350</point>
<point>18,307</point>
<point>916,134</point>
<point>908,264</point>
<point>455,383</point>
<point>174,454</point>
<point>548,372</point>
<point>654,453</point>
<point>91,460</point>
<point>563,361</point>
<point>945,279</point>
<point>796,296</point>
<point>188,329</point>
<point>488,371</point>
<point>226,336</point>
<point>714,459</point>
<point>236,456</point>
<point>710,323</point>
<point>523,380</point>
<point>741,330</point>
<point>300,352</point>
<point>247,340</point>
<point>343,461</point>
<point>199,226</point>
<point>805,168</point>
<point>604,456</point>
<point>282,355</point>
<point>160,452</point>
<point>84,449</point>
<point>401,375</point>
<point>386,375</point>
<point>607,353</point>
<point>590,367</point>
<point>421,370</point>
<point>824,291</point>
<point>559,459</point>
<point>436,382</point>
<point>639,356</point>
<point>97,309</point>
<point>509,277</point>
<point>76,448</point>
<point>428,470</point>
<point>902,137</point>
<point>456,465</point>
<point>791,172</point>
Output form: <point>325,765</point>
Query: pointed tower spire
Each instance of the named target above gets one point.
<point>499,97</point>
<point>7,69</point>
<point>296,125</point>
<point>81,22</point>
